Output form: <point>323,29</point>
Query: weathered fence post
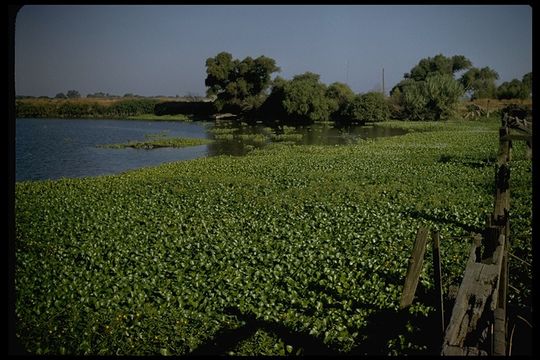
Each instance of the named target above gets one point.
<point>415,267</point>
<point>476,300</point>
<point>437,274</point>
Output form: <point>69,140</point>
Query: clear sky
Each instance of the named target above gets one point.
<point>161,50</point>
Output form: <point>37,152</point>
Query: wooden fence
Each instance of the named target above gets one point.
<point>478,322</point>
<point>477,325</point>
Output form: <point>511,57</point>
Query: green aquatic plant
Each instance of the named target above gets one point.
<point>315,239</point>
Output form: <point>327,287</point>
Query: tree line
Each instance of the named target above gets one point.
<point>86,109</point>
<point>430,91</point>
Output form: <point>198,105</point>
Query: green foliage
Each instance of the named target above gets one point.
<point>238,85</point>
<point>369,107</point>
<point>443,94</point>
<point>438,65</point>
<point>31,109</point>
<point>527,82</point>
<point>305,99</point>
<point>262,343</point>
<point>160,141</point>
<point>514,89</point>
<point>436,98</point>
<point>132,107</point>
<point>313,238</point>
<point>429,91</point>
<point>73,94</point>
<point>84,109</point>
<point>272,107</point>
<point>60,96</point>
<point>102,95</point>
<point>340,96</point>
<point>480,83</point>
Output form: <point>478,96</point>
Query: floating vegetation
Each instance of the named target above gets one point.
<point>154,117</point>
<point>220,130</point>
<point>286,137</point>
<point>159,141</point>
<point>315,239</point>
<point>223,136</point>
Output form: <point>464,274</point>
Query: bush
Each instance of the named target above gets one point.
<point>83,109</point>
<point>369,107</point>
<point>340,96</point>
<point>514,89</point>
<point>305,99</point>
<point>196,108</point>
<point>436,98</point>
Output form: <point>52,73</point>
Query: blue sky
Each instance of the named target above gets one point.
<point>161,50</point>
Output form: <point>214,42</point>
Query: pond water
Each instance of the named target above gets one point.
<point>56,148</point>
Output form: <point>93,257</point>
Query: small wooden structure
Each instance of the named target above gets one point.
<point>415,267</point>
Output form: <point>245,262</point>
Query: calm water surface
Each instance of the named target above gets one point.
<point>57,148</point>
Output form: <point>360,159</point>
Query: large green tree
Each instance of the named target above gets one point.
<point>436,98</point>
<point>73,94</point>
<point>429,91</point>
<point>368,107</point>
<point>480,83</point>
<point>305,98</point>
<point>439,64</point>
<point>340,96</point>
<point>514,89</point>
<point>238,85</point>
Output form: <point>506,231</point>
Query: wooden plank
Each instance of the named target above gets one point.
<point>490,242</point>
<point>500,256</point>
<point>503,282</point>
<point>499,332</point>
<point>504,147</point>
<point>464,351</point>
<point>438,277</point>
<point>480,284</point>
<point>415,267</point>
<point>524,137</point>
<point>502,195</point>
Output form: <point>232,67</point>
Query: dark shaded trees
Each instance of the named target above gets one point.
<point>368,107</point>
<point>527,81</point>
<point>305,98</point>
<point>429,91</point>
<point>439,64</point>
<point>512,90</point>
<point>340,96</point>
<point>238,85</point>
<point>480,83</point>
<point>73,94</point>
<point>516,89</point>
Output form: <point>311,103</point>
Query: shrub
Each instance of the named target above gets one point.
<point>436,98</point>
<point>369,107</point>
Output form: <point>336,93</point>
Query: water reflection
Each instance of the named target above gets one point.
<point>55,148</point>
<point>233,138</point>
